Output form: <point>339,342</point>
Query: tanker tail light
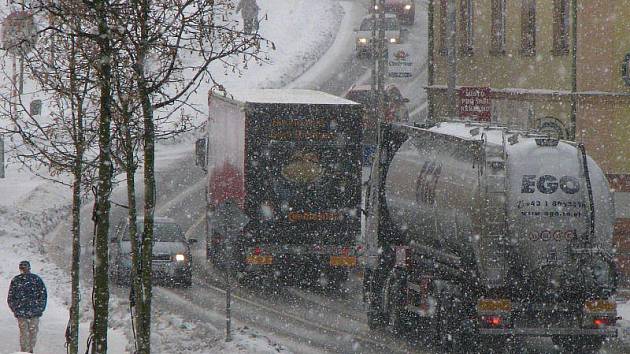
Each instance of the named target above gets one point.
<point>600,322</point>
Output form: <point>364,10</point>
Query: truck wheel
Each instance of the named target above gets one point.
<point>579,344</point>
<point>336,279</point>
<point>400,320</point>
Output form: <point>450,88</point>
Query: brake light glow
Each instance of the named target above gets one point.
<point>492,321</point>
<point>602,321</point>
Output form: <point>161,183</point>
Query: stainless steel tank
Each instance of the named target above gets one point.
<point>525,210</point>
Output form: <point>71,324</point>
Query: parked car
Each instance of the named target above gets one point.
<point>171,253</point>
<point>393,33</point>
<point>404,9</point>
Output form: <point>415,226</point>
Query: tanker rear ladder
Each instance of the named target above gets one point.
<point>494,228</point>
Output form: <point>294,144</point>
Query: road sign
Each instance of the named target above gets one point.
<point>475,102</point>
<point>229,220</point>
<point>400,60</point>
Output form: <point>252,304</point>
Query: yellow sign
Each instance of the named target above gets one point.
<point>343,261</point>
<point>494,305</point>
<point>600,306</point>
<point>303,167</point>
<point>308,216</point>
<point>259,260</point>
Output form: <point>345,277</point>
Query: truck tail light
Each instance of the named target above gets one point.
<point>492,321</point>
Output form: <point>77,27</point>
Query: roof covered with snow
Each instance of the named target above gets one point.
<point>284,96</point>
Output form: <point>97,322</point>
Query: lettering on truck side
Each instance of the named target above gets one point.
<point>548,184</point>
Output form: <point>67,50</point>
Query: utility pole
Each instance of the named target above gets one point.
<point>574,44</point>
<point>430,61</point>
<point>452,60</point>
<point>382,47</point>
<point>374,82</point>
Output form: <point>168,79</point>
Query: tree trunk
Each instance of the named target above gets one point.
<point>79,139</point>
<point>149,208</point>
<point>149,177</point>
<point>101,266</point>
<point>73,335</point>
<point>136,283</point>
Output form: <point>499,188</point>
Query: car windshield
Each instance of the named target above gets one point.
<point>162,232</point>
<point>391,24</point>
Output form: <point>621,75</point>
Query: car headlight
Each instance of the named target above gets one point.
<point>180,257</point>
<point>392,40</point>
<point>407,7</point>
<point>362,40</point>
<point>376,7</point>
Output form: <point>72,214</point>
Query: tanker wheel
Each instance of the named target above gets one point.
<point>373,296</point>
<point>399,319</point>
<point>579,344</point>
<point>456,332</point>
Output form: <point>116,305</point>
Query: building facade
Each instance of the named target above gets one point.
<point>559,66</point>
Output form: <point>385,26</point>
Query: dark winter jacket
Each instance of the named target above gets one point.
<point>27,296</point>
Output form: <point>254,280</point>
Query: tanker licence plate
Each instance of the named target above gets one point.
<point>259,260</point>
<point>343,261</point>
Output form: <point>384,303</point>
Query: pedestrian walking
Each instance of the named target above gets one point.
<point>249,11</point>
<point>27,299</point>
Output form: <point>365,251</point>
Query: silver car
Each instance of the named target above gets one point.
<point>171,253</point>
<point>363,35</point>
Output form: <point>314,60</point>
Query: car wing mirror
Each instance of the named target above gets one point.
<point>192,241</point>
<point>406,100</point>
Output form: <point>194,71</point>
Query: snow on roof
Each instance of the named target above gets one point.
<point>470,130</point>
<point>284,96</point>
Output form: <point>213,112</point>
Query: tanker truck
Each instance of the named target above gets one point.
<point>479,235</point>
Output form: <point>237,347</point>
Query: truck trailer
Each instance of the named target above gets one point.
<point>290,160</point>
<point>478,235</point>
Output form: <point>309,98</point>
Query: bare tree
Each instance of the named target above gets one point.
<point>157,35</point>
<point>61,141</point>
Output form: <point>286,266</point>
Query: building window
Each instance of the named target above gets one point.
<point>443,26</point>
<point>499,13</point>
<point>560,27</point>
<point>528,27</point>
<point>466,27</point>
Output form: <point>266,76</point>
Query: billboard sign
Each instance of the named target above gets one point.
<point>475,103</point>
<point>400,60</point>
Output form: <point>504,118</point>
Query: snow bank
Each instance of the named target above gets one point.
<point>20,237</point>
